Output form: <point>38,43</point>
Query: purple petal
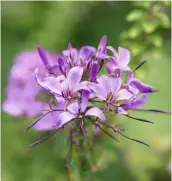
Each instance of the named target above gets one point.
<point>98,90</point>
<point>120,110</point>
<point>102,44</point>
<point>96,112</point>
<point>112,50</point>
<point>74,77</point>
<point>12,108</point>
<point>82,86</point>
<point>60,62</point>
<point>103,81</point>
<point>64,118</point>
<point>110,67</point>
<point>84,103</point>
<point>71,55</point>
<point>123,94</point>
<point>87,52</point>
<point>124,57</point>
<point>130,75</point>
<point>43,56</point>
<point>135,103</point>
<point>115,84</point>
<point>94,71</point>
<point>143,88</point>
<point>73,108</point>
<point>48,83</point>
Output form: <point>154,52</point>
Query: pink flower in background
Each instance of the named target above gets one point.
<point>22,90</point>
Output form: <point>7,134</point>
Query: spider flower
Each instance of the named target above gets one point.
<point>78,111</point>
<point>119,62</point>
<point>73,80</point>
<point>66,88</point>
<point>109,89</point>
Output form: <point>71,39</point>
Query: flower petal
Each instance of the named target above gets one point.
<point>110,67</point>
<point>94,71</point>
<point>103,81</point>
<point>120,110</point>
<point>74,76</point>
<point>43,56</point>
<point>87,52</point>
<point>124,57</point>
<point>73,107</point>
<point>96,112</point>
<point>84,103</point>
<point>82,86</point>
<point>49,83</point>
<point>124,94</point>
<point>98,90</point>
<point>143,88</point>
<point>112,50</point>
<point>115,84</point>
<point>102,44</point>
<point>64,118</point>
<point>136,103</point>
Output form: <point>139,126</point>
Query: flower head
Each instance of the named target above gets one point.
<point>81,95</point>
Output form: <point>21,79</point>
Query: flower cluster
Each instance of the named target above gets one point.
<point>77,94</point>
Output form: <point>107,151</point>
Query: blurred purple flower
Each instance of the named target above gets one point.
<point>22,90</point>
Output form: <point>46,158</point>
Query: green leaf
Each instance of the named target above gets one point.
<point>156,40</point>
<point>144,4</point>
<point>135,15</point>
<point>149,26</point>
<point>136,48</point>
<point>124,35</point>
<point>134,32</point>
<point>163,19</point>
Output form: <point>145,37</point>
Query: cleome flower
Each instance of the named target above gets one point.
<point>60,86</point>
<point>78,111</point>
<point>77,93</point>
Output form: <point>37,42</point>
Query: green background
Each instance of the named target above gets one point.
<point>25,25</point>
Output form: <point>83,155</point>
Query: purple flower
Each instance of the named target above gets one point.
<point>132,103</point>
<point>22,90</point>
<point>109,89</point>
<point>119,61</point>
<point>64,87</point>
<point>73,81</point>
<point>78,111</point>
<point>21,103</point>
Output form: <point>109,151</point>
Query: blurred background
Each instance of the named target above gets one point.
<point>143,28</point>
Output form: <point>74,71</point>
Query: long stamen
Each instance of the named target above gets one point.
<point>139,119</point>
<point>119,131</point>
<point>133,139</point>
<point>110,135</point>
<point>36,121</point>
<point>42,140</point>
<point>152,110</point>
<point>138,66</point>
